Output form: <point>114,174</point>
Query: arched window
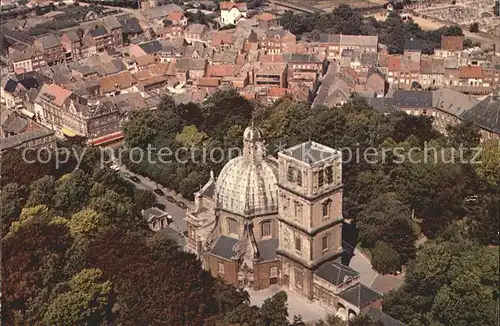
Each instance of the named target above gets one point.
<point>232,225</point>
<point>266,228</point>
<point>326,208</point>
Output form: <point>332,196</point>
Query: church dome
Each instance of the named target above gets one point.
<point>252,133</point>
<point>247,185</point>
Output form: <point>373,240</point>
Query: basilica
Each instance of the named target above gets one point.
<point>267,220</point>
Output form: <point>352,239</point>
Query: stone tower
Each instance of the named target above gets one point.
<point>309,213</point>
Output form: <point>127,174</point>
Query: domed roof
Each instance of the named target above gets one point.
<point>252,133</point>
<point>248,187</point>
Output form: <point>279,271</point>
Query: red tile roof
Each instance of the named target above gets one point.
<point>228,5</point>
<point>452,43</point>
<point>265,16</point>
<point>394,63</point>
<point>277,91</point>
<point>59,93</point>
<point>224,70</point>
<point>470,72</point>
<point>208,82</point>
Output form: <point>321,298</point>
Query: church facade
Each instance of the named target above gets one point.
<point>266,221</point>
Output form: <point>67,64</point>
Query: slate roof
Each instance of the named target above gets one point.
<point>384,318</point>
<point>224,247</point>
<point>335,273</point>
<point>360,295</point>
<point>151,47</point>
<point>131,26</point>
<point>98,32</point>
<point>308,151</point>
<point>151,213</point>
<point>413,99</point>
<point>267,249</point>
<point>414,45</point>
<point>486,114</point>
<point>10,86</point>
<point>17,140</point>
<point>296,57</point>
<point>452,102</point>
<point>49,41</point>
<point>72,36</point>
<point>383,104</point>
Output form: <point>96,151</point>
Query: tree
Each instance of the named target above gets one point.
<point>144,199</point>
<point>32,260</point>
<point>190,137</point>
<point>85,223</point>
<point>87,302</point>
<point>331,320</point>
<point>385,260</point>
<point>465,135</point>
<point>11,200</point>
<point>474,27</point>
<point>274,310</point>
<point>41,191</point>
<point>464,302</point>
<point>400,235</point>
<point>488,169</point>
<point>72,192</point>
<point>364,320</point>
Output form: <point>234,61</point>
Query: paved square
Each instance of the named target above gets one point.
<point>297,305</point>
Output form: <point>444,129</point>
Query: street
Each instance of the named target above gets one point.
<point>171,208</point>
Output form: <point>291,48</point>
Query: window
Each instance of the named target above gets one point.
<point>298,211</point>
<point>273,272</point>
<point>321,179</point>
<point>232,226</point>
<point>298,279</point>
<point>326,208</point>
<point>286,239</point>
<point>324,243</point>
<point>294,175</point>
<point>265,228</point>
<point>221,268</point>
<point>329,174</point>
<point>298,243</point>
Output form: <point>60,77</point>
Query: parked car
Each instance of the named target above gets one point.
<point>171,199</point>
<point>114,167</point>
<point>135,179</point>
<point>159,192</point>
<point>181,204</point>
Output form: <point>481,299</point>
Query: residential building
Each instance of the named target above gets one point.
<point>334,44</point>
<point>303,68</point>
<point>195,32</point>
<point>19,132</point>
<point>277,41</point>
<point>270,74</point>
<point>51,49</point>
<point>72,45</point>
<point>450,46</point>
<point>232,12</point>
<point>69,115</point>
<point>14,90</point>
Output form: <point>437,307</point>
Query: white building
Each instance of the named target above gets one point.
<point>232,12</point>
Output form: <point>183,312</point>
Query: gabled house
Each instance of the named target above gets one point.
<point>232,12</point>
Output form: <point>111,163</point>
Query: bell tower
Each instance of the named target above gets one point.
<point>310,212</point>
